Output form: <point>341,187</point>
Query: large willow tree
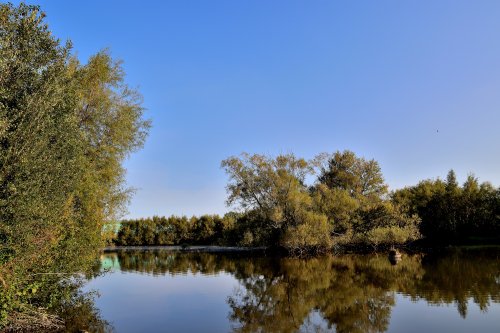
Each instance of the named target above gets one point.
<point>274,193</point>
<point>65,129</point>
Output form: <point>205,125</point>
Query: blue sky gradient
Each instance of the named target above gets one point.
<point>412,84</point>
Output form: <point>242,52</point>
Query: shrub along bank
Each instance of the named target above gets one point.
<point>65,129</point>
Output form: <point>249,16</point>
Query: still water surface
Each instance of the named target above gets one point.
<point>161,291</point>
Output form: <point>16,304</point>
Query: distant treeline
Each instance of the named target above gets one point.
<point>207,229</point>
<point>347,205</point>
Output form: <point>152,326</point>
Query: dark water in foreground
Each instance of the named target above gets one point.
<point>158,291</point>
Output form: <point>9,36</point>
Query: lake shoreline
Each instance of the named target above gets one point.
<point>193,248</point>
<point>353,249</point>
<point>147,291</point>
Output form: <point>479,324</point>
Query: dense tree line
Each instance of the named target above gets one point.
<point>207,229</point>
<point>65,128</point>
<point>347,205</point>
<point>452,213</point>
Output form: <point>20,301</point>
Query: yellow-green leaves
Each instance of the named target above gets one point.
<point>65,129</point>
<point>274,189</point>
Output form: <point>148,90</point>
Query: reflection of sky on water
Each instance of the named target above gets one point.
<point>419,316</point>
<point>314,323</point>
<point>134,302</point>
<point>146,293</point>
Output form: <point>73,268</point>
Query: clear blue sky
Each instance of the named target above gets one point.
<point>412,84</point>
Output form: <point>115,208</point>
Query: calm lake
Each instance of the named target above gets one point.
<point>456,290</point>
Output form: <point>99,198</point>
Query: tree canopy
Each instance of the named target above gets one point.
<point>347,202</point>
<point>65,129</point>
<point>450,212</point>
<point>356,175</point>
<point>274,190</point>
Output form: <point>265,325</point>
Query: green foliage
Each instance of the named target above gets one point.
<point>392,235</point>
<point>274,191</point>
<point>350,191</point>
<point>345,205</point>
<point>273,187</point>
<point>450,212</point>
<point>65,129</point>
<point>338,205</point>
<point>344,170</point>
<point>312,235</point>
<point>248,229</point>
<point>203,230</point>
<point>110,117</point>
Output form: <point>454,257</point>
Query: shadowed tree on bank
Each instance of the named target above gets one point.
<point>453,213</point>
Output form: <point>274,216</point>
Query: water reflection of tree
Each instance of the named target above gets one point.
<point>352,293</point>
<point>459,276</point>
<point>81,315</point>
<point>349,292</point>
